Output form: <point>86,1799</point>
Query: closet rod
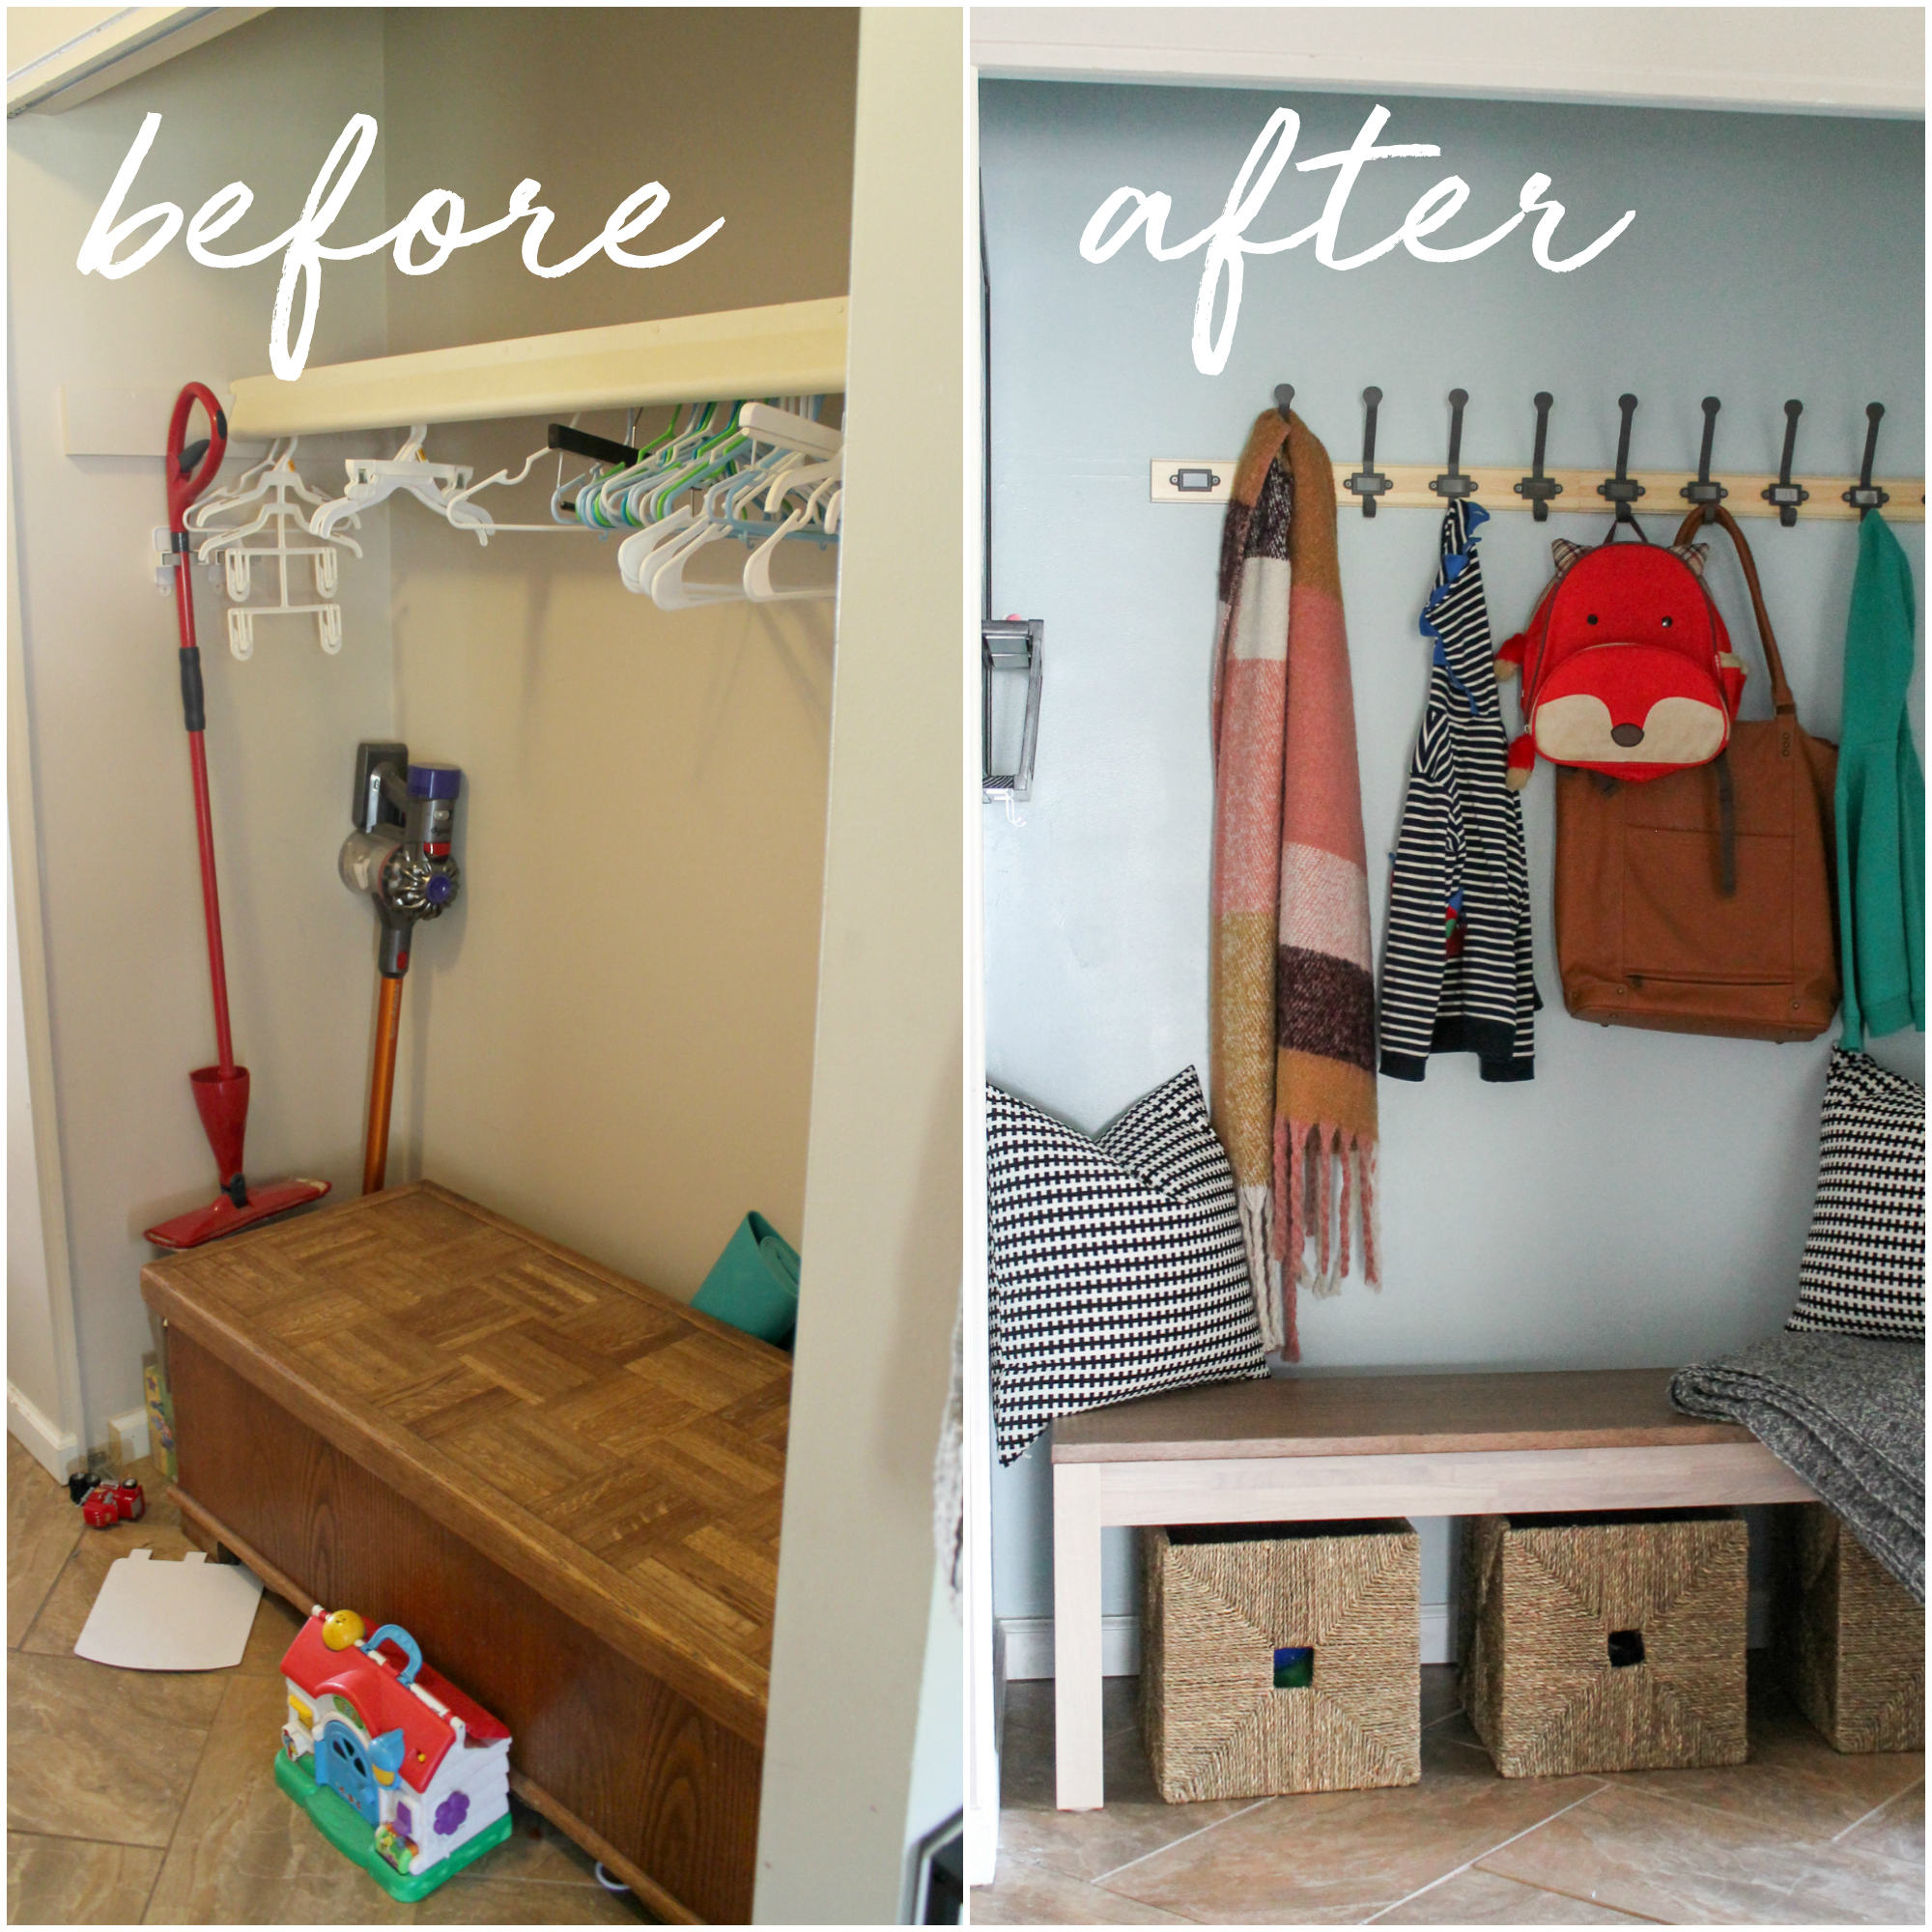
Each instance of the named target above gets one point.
<point>1410,489</point>
<point>789,349</point>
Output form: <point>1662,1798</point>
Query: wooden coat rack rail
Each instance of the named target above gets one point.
<point>1495,490</point>
<point>1663,493</point>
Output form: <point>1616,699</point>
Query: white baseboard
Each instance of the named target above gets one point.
<point>1027,1647</point>
<point>56,1450</point>
<point>1438,1646</point>
<point>127,1435</point>
<point>1027,1643</point>
<point>983,1846</point>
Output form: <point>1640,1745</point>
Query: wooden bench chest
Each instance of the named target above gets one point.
<point>567,1487</point>
<point>1311,1448</point>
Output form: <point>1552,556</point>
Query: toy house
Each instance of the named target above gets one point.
<point>396,1768</point>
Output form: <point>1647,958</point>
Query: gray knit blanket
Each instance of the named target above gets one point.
<point>1848,1414</point>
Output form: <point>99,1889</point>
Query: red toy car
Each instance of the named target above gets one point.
<point>109,1503</point>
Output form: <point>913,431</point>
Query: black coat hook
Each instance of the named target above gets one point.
<point>1284,395</point>
<point>1704,492</point>
<point>1623,489</point>
<point>1785,492</point>
<point>1368,482</point>
<point>1452,483</point>
<point>1863,495</point>
<point>1538,488</point>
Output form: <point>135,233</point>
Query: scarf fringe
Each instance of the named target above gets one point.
<point>1257,1210</point>
<point>1310,1195</point>
<point>1372,1222</point>
<point>1287,1229</point>
<point>1349,1162</point>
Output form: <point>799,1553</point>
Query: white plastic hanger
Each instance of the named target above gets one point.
<point>754,460</point>
<point>373,480</point>
<point>638,555</point>
<point>790,429</point>
<point>669,589</point>
<point>757,578</point>
<point>465,514</point>
<point>249,486</point>
<point>717,521</point>
<point>279,490</point>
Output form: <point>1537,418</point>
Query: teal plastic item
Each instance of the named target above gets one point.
<point>754,1284</point>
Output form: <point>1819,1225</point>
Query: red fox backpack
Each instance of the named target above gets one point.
<point>1627,668</point>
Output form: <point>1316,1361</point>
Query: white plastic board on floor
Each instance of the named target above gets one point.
<point>191,1615</point>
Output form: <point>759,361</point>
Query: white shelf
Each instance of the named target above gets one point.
<point>789,349</point>
<point>60,56</point>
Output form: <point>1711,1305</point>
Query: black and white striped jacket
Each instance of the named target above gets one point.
<point>1457,971</point>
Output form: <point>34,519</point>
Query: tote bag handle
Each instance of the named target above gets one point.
<point>1780,691</point>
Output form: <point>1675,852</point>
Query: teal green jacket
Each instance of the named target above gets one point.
<point>1880,801</point>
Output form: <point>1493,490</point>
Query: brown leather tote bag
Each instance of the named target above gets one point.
<point>1654,928</point>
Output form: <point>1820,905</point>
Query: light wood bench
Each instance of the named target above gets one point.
<point>1326,1447</point>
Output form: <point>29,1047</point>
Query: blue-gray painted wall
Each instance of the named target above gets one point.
<point>1645,1198</point>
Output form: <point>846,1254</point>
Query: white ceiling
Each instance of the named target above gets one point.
<point>1826,60</point>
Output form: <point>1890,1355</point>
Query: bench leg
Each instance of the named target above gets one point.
<point>1076,1636</point>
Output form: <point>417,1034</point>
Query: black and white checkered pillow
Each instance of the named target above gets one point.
<point>1117,1264</point>
<point>1864,1265</point>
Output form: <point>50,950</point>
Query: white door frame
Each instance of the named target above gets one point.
<point>56,1440</point>
<point>983,1744</point>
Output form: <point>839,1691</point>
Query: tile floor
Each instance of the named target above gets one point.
<point>1798,1835</point>
<point>137,1795</point>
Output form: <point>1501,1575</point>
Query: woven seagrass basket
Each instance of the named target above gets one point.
<point>1612,1641</point>
<point>1849,1638</point>
<point>1281,1656</point>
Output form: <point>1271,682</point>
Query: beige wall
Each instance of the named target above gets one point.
<point>883,1216</point>
<point>740,112</point>
<point>611,1038</point>
<point>125,966</point>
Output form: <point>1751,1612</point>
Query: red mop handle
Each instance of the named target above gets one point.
<point>184,488</point>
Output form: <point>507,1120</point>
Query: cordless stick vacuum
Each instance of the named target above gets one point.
<point>399,854</point>
<point>220,1090</point>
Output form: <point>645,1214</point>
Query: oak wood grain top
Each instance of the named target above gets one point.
<point>619,1452</point>
<point>1391,1415</point>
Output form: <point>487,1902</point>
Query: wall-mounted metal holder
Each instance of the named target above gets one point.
<point>1452,483</point>
<point>1785,495</point>
<point>1368,482</point>
<point>1536,489</point>
<point>1284,398</point>
<point>1010,646</point>
<point>1702,491</point>
<point>1623,489</point>
<point>1864,496</point>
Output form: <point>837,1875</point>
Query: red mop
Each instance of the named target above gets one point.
<point>221,1091</point>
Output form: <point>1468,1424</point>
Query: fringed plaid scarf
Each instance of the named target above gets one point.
<point>1292,989</point>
